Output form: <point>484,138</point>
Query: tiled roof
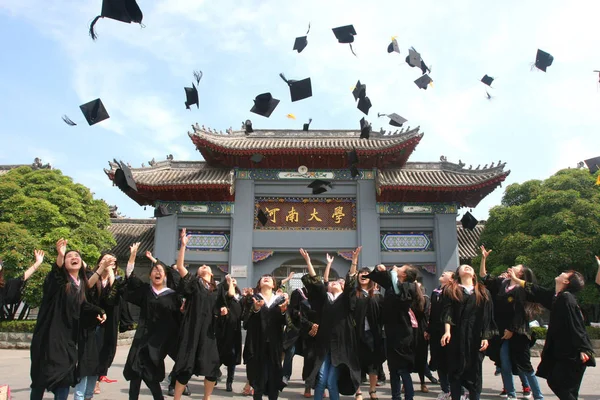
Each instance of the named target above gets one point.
<point>178,173</point>
<point>467,241</point>
<point>438,175</point>
<point>339,140</point>
<point>127,231</point>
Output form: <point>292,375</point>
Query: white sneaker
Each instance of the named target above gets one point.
<point>511,398</point>
<point>443,396</point>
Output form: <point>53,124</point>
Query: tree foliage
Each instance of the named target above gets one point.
<point>38,207</point>
<point>550,226</point>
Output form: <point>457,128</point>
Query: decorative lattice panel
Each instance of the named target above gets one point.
<point>407,241</point>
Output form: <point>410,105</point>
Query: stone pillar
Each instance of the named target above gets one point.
<point>166,237</point>
<point>446,242</point>
<point>368,223</point>
<point>240,252</point>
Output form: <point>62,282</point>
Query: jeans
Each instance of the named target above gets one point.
<point>61,393</point>
<point>444,381</point>
<point>327,378</point>
<point>398,377</point>
<point>85,388</point>
<point>507,375</point>
<point>287,361</point>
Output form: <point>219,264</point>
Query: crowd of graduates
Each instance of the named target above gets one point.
<point>345,329</point>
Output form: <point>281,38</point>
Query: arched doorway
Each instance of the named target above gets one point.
<point>298,267</point>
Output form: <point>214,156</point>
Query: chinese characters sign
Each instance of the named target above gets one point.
<point>306,213</point>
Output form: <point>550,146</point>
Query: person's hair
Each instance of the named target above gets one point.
<point>455,292</point>
<point>531,309</point>
<point>257,289</point>
<point>212,284</point>
<point>576,281</point>
<point>370,285</point>
<point>83,281</point>
<point>412,274</point>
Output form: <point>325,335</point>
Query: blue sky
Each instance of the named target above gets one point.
<point>537,122</point>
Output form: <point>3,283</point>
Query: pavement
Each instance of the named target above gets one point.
<point>15,364</point>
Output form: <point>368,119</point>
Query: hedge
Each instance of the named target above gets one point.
<point>18,326</point>
<point>540,332</point>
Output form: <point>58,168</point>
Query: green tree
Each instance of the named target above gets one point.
<point>550,226</point>
<point>38,207</point>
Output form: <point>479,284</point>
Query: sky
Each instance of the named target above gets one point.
<point>536,122</point>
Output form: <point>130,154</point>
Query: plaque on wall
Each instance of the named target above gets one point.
<point>302,213</point>
<point>239,271</point>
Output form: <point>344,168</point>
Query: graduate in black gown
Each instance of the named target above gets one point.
<point>264,319</point>
<point>336,365</point>
<point>157,327</point>
<point>468,325</point>
<point>421,311</point>
<point>435,330</point>
<point>368,304</point>
<point>229,328</point>
<point>54,343</point>
<point>197,352</point>
<point>568,350</point>
<point>11,288</point>
<point>398,323</point>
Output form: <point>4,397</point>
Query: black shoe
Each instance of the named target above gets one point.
<point>171,391</point>
<point>433,380</point>
<point>186,391</point>
<point>228,387</point>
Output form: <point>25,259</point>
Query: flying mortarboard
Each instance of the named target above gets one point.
<point>468,221</point>
<point>423,81</point>
<point>345,34</point>
<point>120,10</point>
<point>364,104</point>
<point>352,157</point>
<point>359,91</point>
<point>318,186</point>
<point>593,164</point>
<point>68,121</point>
<point>124,177</point>
<point>393,46</point>
<point>365,129</point>
<point>262,217</point>
<point>487,80</point>
<point>354,171</point>
<point>191,94</point>
<point>306,126</point>
<point>395,119</point>
<point>301,42</point>
<point>299,90</point>
<point>162,211</point>
<point>94,112</point>
<point>248,127</point>
<point>413,58</point>
<point>543,60</point>
<point>264,104</point>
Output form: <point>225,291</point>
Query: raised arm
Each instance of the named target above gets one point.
<point>354,265</point>
<point>106,262</point>
<point>150,257</point>
<point>181,255</point>
<point>306,256</point>
<point>39,259</point>
<point>598,273</point>
<point>61,250</point>
<point>535,293</point>
<point>484,254</point>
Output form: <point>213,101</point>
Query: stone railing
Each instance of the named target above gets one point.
<point>537,348</point>
<point>18,340</point>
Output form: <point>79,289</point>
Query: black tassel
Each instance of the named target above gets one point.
<point>92,33</point>
<point>283,77</point>
<point>381,115</point>
<point>68,121</point>
<point>198,75</point>
<point>352,50</point>
<point>308,28</point>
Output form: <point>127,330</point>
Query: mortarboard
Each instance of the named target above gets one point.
<point>248,127</point>
<point>318,186</point>
<point>262,217</point>
<point>354,171</point>
<point>543,60</point>
<point>124,177</point>
<point>393,46</point>
<point>305,126</point>
<point>264,104</point>
<point>301,42</point>
<point>345,34</point>
<point>365,129</point>
<point>395,119</point>
<point>256,158</point>
<point>364,104</point>
<point>468,221</point>
<point>299,90</point>
<point>423,81</point>
<point>120,10</point>
<point>94,111</point>
<point>68,121</point>
<point>593,164</point>
<point>359,91</point>
<point>191,94</point>
<point>487,80</point>
<point>352,157</point>
<point>162,211</point>
<point>413,58</point>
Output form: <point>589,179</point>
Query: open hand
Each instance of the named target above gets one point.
<point>329,258</point>
<point>380,267</point>
<point>61,247</point>
<point>184,237</point>
<point>484,252</point>
<point>305,255</point>
<point>39,257</point>
<point>133,249</point>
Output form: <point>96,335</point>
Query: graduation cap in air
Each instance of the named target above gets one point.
<point>365,129</point>
<point>359,91</point>
<point>423,81</point>
<point>395,119</point>
<point>247,126</point>
<point>487,80</point>
<point>364,104</point>
<point>301,42</point>
<point>262,217</point>
<point>162,211</point>
<point>318,186</point>
<point>264,104</point>
<point>191,94</point>
<point>414,59</point>
<point>352,158</point>
<point>593,164</point>
<point>468,221</point>
<point>345,34</point>
<point>93,112</point>
<point>306,126</point>
<point>299,90</point>
<point>393,46</point>
<point>124,177</point>
<point>120,10</point>
<point>543,60</point>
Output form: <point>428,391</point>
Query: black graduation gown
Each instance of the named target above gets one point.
<point>302,317</point>
<point>336,334</point>
<point>436,331</point>
<point>371,350</point>
<point>87,349</point>
<point>470,324</point>
<point>566,339</point>
<point>229,329</point>
<point>10,293</point>
<point>198,353</point>
<point>156,334</point>
<point>108,332</point>
<point>421,345</point>
<point>264,341</point>
<point>399,338</point>
<point>54,343</point>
